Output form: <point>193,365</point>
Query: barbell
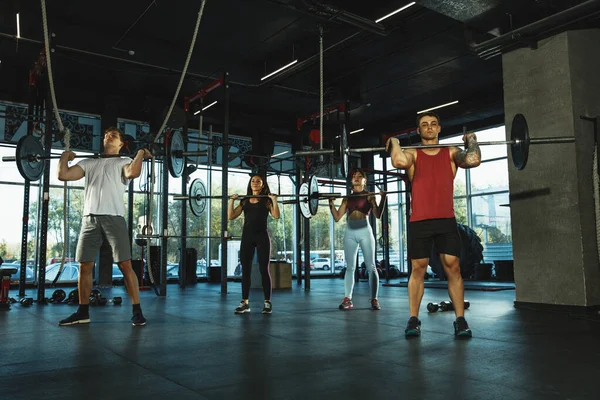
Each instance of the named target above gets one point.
<point>307,198</point>
<point>142,236</point>
<point>519,145</point>
<point>29,156</point>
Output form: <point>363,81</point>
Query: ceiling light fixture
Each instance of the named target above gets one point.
<point>18,27</point>
<point>436,107</point>
<point>279,70</point>
<point>395,12</point>
<point>280,154</point>
<point>210,105</point>
<point>356,131</point>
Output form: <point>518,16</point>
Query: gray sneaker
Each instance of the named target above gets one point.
<point>242,308</point>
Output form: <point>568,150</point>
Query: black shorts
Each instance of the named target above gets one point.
<point>441,233</point>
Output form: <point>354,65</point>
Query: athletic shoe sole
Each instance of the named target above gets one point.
<point>412,332</point>
<point>79,321</point>
<point>464,334</point>
<point>138,323</point>
<point>242,312</point>
<point>267,312</point>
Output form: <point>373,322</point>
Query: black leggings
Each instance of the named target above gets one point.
<point>262,242</point>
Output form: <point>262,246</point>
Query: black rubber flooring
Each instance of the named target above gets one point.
<point>469,285</point>
<point>195,347</point>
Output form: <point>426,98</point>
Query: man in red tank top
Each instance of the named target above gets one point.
<point>432,222</point>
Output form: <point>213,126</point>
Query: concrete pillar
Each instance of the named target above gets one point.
<point>552,207</point>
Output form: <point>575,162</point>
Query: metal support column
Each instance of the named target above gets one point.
<point>225,189</point>
<point>49,115</point>
<point>298,224</point>
<point>130,214</point>
<point>26,193</point>
<point>407,216</point>
<point>385,226</point>
<point>306,244</point>
<point>164,245</point>
<point>183,245</point>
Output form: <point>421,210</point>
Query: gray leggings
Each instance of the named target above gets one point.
<point>359,233</point>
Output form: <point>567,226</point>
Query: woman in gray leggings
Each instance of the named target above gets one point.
<point>359,233</point>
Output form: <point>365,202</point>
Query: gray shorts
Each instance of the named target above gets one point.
<point>90,238</point>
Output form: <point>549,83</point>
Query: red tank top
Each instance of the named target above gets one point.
<point>358,203</point>
<point>432,193</point>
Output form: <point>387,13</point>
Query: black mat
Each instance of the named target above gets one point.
<point>479,285</point>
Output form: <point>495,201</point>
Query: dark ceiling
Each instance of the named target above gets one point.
<point>431,53</point>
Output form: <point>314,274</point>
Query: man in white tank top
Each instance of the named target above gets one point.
<point>106,179</point>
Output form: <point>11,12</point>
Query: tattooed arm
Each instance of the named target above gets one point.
<point>471,156</point>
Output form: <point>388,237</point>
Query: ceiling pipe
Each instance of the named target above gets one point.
<point>153,66</point>
<point>333,13</point>
<point>560,20</point>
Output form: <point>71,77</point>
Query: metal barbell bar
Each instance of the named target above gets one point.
<point>519,142</point>
<point>39,157</point>
<point>339,196</point>
<point>307,198</point>
<point>547,140</point>
<point>141,236</point>
<point>242,197</point>
<point>30,154</point>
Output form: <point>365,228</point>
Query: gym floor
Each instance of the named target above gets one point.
<point>195,347</point>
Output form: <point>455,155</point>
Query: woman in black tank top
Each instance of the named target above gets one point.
<point>255,236</point>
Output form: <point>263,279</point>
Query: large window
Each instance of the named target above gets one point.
<point>480,198</point>
<point>481,201</point>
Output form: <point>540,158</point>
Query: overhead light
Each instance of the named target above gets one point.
<point>440,106</point>
<point>18,27</point>
<point>395,12</point>
<point>280,154</point>
<point>279,70</point>
<point>356,131</point>
<point>210,105</point>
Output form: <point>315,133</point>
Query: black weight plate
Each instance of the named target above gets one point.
<point>28,146</point>
<point>519,134</point>
<point>344,152</point>
<point>313,195</point>
<point>197,204</point>
<point>176,164</point>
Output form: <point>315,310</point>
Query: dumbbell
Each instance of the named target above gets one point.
<point>58,296</point>
<point>73,297</point>
<point>445,306</point>
<point>26,301</point>
<point>117,300</point>
<point>102,300</point>
<point>448,306</point>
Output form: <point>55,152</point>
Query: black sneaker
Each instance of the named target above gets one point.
<point>138,319</point>
<point>242,308</point>
<point>461,328</point>
<point>74,319</point>
<point>268,308</point>
<point>413,327</point>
